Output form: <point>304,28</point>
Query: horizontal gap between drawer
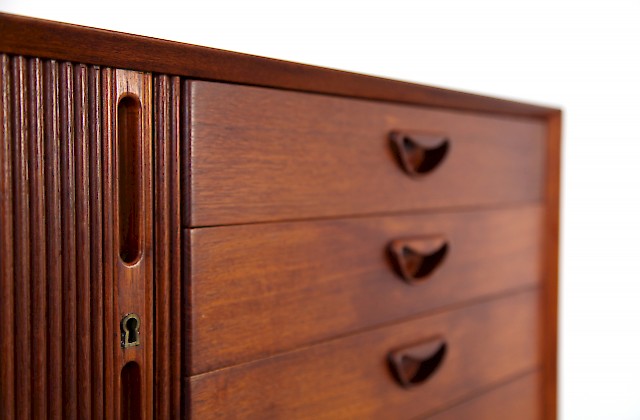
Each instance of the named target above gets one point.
<point>439,210</point>
<point>481,392</point>
<point>447,308</point>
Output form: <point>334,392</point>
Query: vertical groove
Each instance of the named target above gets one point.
<point>21,248</point>
<point>95,203</point>
<point>83,294</point>
<point>162,244</point>
<point>38,241</point>
<point>67,174</point>
<point>184,146</point>
<point>167,247</point>
<point>54,237</point>
<point>7,344</point>
<point>110,336</point>
<point>175,251</point>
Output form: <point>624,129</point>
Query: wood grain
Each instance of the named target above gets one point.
<point>36,37</point>
<point>133,280</point>
<point>7,311</point>
<point>108,181</point>
<point>69,266</point>
<point>38,237</point>
<point>21,239</point>
<point>45,158</point>
<point>168,374</point>
<point>518,399</point>
<point>255,154</point>
<point>54,237</point>
<point>256,290</point>
<point>94,125</point>
<point>349,377</point>
<point>258,154</point>
<point>56,158</point>
<point>83,238</point>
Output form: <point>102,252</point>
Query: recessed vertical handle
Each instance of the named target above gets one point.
<point>419,153</point>
<point>129,181</point>
<point>416,259</point>
<point>130,390</point>
<point>415,364</point>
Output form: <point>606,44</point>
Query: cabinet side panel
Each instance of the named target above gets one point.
<point>549,339</point>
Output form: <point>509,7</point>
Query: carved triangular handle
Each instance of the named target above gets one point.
<point>415,364</point>
<point>419,153</point>
<point>416,259</point>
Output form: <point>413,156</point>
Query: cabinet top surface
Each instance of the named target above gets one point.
<point>61,41</point>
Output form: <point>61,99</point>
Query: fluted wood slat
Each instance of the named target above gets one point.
<point>21,239</point>
<point>167,227</point>
<point>54,236</point>
<point>51,285</point>
<point>68,204</point>
<point>7,343</point>
<point>38,257</point>
<point>107,188</point>
<point>57,332</point>
<point>96,214</point>
<point>83,229</point>
<point>175,249</point>
<point>162,374</point>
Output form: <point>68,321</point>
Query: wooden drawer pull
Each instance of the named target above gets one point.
<point>416,259</point>
<point>419,154</point>
<point>413,365</point>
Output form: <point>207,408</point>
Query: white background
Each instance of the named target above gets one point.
<point>582,56</point>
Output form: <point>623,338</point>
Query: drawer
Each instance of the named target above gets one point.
<point>259,154</point>
<point>257,290</point>
<point>519,399</point>
<point>445,358</point>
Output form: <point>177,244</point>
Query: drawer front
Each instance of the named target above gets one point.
<point>259,154</point>
<point>256,290</point>
<point>353,377</point>
<point>519,399</point>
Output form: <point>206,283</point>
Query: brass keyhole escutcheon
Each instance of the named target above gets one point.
<point>130,331</point>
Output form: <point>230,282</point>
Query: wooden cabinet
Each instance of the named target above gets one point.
<point>194,233</point>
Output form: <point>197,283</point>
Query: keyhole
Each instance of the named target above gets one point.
<point>130,329</point>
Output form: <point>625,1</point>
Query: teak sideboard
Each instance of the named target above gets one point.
<point>194,233</point>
